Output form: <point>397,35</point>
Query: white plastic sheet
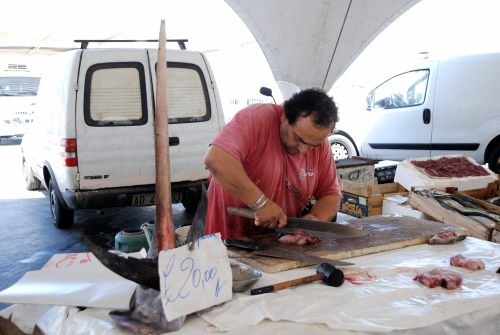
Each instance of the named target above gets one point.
<point>389,302</point>
<point>385,297</point>
<point>76,279</point>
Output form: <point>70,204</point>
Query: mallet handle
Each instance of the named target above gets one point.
<point>286,284</point>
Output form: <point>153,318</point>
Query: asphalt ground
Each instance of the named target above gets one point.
<point>28,237</point>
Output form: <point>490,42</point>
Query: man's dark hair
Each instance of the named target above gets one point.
<point>312,101</point>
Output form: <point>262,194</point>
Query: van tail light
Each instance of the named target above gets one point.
<point>68,153</point>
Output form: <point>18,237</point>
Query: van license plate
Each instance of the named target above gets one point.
<point>146,199</point>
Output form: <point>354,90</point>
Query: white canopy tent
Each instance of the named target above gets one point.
<point>312,43</point>
<point>306,42</point>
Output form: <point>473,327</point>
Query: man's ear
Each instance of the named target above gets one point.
<point>283,117</point>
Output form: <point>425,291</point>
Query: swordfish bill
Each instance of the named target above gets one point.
<point>164,221</point>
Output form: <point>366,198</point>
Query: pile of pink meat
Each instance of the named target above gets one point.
<point>446,278</point>
<point>450,167</point>
<point>299,237</point>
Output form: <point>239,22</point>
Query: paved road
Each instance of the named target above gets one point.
<point>28,237</point>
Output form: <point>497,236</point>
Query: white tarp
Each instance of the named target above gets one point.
<point>312,43</point>
<point>379,297</point>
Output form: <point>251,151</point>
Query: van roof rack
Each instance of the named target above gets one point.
<point>85,43</point>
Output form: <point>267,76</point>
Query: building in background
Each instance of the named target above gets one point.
<point>19,80</point>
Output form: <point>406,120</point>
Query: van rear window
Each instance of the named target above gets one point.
<point>187,94</point>
<point>115,95</point>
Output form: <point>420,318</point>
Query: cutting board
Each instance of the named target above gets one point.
<point>385,233</point>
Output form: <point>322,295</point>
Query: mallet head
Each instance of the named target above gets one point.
<point>331,275</point>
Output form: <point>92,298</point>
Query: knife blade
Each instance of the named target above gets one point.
<point>280,252</point>
<point>285,253</point>
<point>316,228</point>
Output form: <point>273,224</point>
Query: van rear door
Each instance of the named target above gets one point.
<point>114,119</point>
<point>401,116</point>
<point>193,110</point>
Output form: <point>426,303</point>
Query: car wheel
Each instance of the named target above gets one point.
<point>191,199</point>
<point>342,146</point>
<point>30,182</point>
<point>63,217</point>
<point>494,160</point>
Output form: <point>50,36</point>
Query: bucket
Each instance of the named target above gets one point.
<point>131,240</point>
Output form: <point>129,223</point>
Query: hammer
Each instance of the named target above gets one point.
<point>325,272</point>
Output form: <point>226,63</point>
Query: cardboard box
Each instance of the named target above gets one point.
<point>368,201</point>
<point>484,230</point>
<point>355,172</point>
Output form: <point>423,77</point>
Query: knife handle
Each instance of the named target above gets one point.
<point>261,290</point>
<point>245,245</point>
<point>243,212</point>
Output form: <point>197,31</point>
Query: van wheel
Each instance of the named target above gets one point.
<point>30,182</point>
<point>494,160</point>
<point>342,145</point>
<point>63,217</point>
<point>191,198</point>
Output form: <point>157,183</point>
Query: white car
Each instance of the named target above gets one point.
<point>436,108</point>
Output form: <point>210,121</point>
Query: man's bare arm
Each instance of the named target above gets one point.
<point>325,208</point>
<point>230,174</point>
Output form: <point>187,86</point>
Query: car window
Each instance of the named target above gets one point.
<point>405,90</point>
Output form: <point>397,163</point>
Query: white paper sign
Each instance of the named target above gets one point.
<point>194,280</point>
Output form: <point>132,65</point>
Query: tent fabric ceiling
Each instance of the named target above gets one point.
<point>306,42</point>
<point>312,43</point>
<point>44,25</point>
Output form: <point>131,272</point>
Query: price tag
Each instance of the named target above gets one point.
<point>194,280</point>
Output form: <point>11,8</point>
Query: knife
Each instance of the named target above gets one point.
<point>316,228</point>
<point>280,252</point>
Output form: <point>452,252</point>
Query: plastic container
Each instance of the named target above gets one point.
<point>131,240</point>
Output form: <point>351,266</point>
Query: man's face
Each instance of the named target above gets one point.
<point>303,135</point>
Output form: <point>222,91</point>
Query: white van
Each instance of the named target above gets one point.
<point>441,107</point>
<point>92,142</point>
<point>18,90</point>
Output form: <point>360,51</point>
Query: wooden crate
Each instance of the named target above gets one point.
<point>491,191</point>
<point>432,208</point>
<point>367,201</point>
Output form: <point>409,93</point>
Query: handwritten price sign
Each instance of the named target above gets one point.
<point>194,280</point>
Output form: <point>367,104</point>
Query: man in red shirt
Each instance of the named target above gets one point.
<point>273,159</point>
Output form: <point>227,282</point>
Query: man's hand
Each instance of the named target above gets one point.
<point>270,216</point>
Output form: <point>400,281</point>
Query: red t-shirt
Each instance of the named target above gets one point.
<point>253,138</point>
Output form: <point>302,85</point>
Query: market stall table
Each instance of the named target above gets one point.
<point>379,296</point>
